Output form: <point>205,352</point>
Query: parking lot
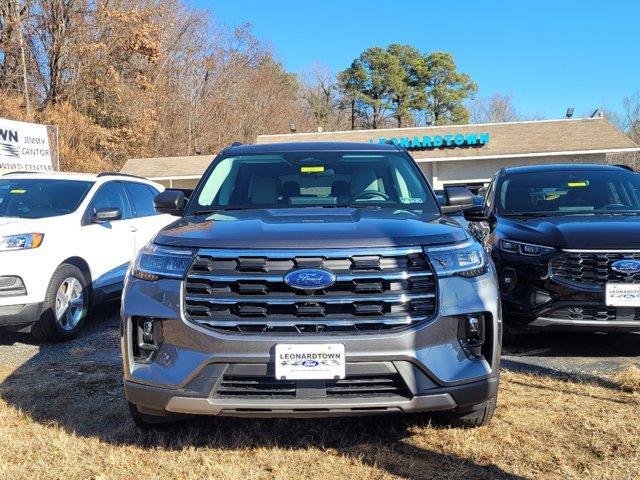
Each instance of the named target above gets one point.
<point>568,408</point>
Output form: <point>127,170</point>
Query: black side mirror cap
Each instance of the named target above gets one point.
<point>475,214</point>
<point>171,202</point>
<point>457,198</point>
<point>104,215</point>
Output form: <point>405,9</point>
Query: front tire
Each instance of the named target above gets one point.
<point>65,306</point>
<point>146,422</point>
<point>474,419</point>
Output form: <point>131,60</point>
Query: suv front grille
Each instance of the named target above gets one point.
<point>353,386</point>
<point>591,270</point>
<point>245,292</point>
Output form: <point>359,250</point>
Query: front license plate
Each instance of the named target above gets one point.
<point>310,362</point>
<point>622,295</point>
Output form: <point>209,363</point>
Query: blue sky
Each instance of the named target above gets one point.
<point>547,54</point>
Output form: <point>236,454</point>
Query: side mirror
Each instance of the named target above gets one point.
<point>456,199</point>
<point>475,214</point>
<point>104,215</point>
<point>170,201</point>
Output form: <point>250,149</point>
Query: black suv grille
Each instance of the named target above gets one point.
<point>356,386</point>
<point>245,292</point>
<point>595,313</point>
<point>591,270</point>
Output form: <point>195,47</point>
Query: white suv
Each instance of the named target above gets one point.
<point>66,240</point>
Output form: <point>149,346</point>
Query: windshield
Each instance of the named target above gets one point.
<point>570,192</point>
<point>40,198</point>
<point>319,179</point>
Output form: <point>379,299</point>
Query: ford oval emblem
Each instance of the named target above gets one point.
<point>310,279</point>
<point>310,363</point>
<point>626,266</point>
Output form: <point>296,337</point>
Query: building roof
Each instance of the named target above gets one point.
<point>168,167</point>
<point>513,139</point>
<point>506,140</point>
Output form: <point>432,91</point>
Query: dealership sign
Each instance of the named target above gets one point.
<point>426,142</point>
<point>24,146</point>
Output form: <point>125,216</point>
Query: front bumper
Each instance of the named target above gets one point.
<point>19,315</point>
<point>537,302</point>
<point>183,375</point>
<point>155,400</point>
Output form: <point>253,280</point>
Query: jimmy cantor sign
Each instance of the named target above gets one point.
<point>24,147</point>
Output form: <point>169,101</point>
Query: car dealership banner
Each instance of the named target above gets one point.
<point>24,147</point>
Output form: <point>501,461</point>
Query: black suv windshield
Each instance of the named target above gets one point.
<point>318,179</point>
<point>570,192</point>
<point>40,198</point>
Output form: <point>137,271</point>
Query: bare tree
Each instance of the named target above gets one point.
<point>631,116</point>
<point>322,102</point>
<point>496,109</point>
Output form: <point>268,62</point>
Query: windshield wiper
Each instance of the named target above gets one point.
<point>204,211</point>
<point>530,214</point>
<point>616,213</point>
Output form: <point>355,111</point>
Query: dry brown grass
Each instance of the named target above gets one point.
<point>71,422</point>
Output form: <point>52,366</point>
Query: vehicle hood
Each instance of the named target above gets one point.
<point>311,228</point>
<point>576,231</point>
<point>15,225</point>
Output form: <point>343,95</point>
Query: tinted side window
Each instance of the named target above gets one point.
<point>111,195</point>
<point>142,197</point>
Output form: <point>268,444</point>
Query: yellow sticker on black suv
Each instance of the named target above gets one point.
<point>318,169</point>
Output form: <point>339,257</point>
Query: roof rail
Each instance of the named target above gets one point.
<point>18,172</point>
<point>118,174</point>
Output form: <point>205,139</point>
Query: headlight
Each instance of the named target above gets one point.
<point>155,262</point>
<point>467,259</point>
<point>523,248</point>
<point>24,241</point>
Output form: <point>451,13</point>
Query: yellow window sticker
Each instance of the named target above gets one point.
<point>318,169</point>
<point>584,183</point>
<point>18,190</point>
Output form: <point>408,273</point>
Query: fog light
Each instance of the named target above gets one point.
<point>508,280</point>
<point>147,331</point>
<point>471,334</point>
<point>147,338</point>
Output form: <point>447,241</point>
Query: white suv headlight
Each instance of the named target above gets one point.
<point>466,259</point>
<point>154,262</point>
<point>23,241</point>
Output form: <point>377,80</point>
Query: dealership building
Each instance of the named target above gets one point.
<point>449,155</point>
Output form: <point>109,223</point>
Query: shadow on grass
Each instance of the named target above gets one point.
<point>576,344</point>
<point>86,399</point>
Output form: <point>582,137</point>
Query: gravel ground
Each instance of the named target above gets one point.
<point>549,354</point>
<point>98,342</point>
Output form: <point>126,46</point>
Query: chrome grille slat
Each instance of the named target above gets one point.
<point>339,300</point>
<point>252,277</point>
<point>375,290</point>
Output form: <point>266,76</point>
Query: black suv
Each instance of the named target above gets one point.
<point>566,242</point>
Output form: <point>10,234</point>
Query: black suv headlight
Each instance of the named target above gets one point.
<point>154,262</point>
<point>467,259</point>
<point>522,248</point>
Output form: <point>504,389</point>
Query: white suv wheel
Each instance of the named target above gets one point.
<point>69,303</point>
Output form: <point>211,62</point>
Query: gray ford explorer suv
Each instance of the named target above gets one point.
<point>307,280</point>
